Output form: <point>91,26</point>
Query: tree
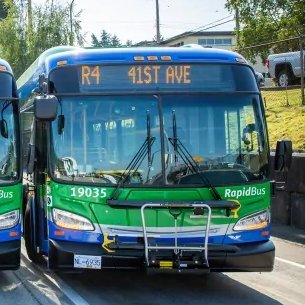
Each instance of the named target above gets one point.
<point>22,41</point>
<point>106,40</point>
<point>129,43</point>
<point>3,12</point>
<point>115,41</point>
<point>264,21</point>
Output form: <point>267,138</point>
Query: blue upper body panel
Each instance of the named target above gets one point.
<point>6,64</point>
<point>127,55</point>
<point>73,55</point>
<point>8,85</point>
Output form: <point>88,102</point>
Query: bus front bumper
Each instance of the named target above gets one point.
<point>10,255</point>
<point>257,257</point>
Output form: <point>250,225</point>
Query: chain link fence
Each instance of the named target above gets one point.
<point>281,79</point>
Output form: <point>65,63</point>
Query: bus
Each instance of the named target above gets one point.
<point>149,158</point>
<point>10,171</point>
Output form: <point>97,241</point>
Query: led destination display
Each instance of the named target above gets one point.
<point>149,77</point>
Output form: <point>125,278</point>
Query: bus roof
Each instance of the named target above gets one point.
<point>39,63</point>
<point>192,53</point>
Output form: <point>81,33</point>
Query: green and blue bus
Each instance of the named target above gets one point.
<point>153,158</point>
<point>10,171</point>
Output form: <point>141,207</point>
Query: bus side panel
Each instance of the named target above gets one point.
<point>10,237</point>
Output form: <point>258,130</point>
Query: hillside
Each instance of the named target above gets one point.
<point>285,117</point>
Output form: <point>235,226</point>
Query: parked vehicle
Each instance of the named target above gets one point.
<point>284,68</point>
<point>260,79</point>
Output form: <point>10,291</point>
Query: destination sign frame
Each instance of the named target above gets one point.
<point>150,77</point>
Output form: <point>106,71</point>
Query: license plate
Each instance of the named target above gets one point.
<point>87,261</point>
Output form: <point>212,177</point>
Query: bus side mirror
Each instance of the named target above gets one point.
<point>283,155</point>
<point>45,107</point>
<point>3,128</point>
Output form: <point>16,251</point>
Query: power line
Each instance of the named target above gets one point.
<point>213,26</point>
<point>265,44</point>
<point>204,28</point>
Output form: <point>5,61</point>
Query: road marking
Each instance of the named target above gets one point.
<point>290,262</point>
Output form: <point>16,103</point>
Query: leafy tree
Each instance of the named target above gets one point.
<point>264,21</point>
<point>115,41</point>
<point>106,40</point>
<point>22,39</point>
<point>129,43</point>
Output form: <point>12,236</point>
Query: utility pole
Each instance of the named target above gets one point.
<point>302,68</point>
<point>302,65</point>
<point>237,25</point>
<point>71,24</point>
<point>158,36</point>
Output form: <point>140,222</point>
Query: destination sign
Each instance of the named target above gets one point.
<point>149,77</point>
<point>152,78</point>
<point>138,75</point>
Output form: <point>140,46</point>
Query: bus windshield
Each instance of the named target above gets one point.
<point>223,136</point>
<point>8,153</point>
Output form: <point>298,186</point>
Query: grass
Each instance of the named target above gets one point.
<point>285,117</point>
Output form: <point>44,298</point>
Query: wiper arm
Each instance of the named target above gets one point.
<point>181,150</point>
<point>137,160</point>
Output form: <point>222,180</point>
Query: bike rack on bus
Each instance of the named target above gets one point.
<point>176,248</point>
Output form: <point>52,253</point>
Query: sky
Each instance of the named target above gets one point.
<point>135,20</point>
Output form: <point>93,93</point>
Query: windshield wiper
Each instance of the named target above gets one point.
<point>138,158</point>
<point>181,150</point>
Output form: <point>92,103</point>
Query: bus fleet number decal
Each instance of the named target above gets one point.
<point>88,192</point>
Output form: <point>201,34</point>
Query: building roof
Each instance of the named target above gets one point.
<point>198,33</point>
<point>146,43</point>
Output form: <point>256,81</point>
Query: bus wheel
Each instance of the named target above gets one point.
<point>28,229</point>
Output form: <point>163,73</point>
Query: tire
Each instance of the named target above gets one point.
<point>28,235</point>
<point>284,79</point>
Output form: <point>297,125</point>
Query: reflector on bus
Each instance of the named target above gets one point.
<point>152,57</point>
<point>138,58</point>
<point>62,62</point>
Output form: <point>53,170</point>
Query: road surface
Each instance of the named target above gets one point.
<point>285,285</point>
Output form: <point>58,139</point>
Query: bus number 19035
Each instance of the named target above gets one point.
<point>94,192</point>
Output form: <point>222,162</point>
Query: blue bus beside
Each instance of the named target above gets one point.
<point>10,171</point>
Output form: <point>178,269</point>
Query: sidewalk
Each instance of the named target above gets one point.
<point>289,233</point>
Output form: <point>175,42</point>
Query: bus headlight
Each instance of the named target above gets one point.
<point>9,220</point>
<point>252,222</point>
<point>72,221</point>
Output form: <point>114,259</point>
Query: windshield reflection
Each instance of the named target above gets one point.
<point>117,139</point>
<point>101,137</point>
<point>224,136</point>
<point>8,158</point>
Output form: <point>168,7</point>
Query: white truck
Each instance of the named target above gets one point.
<point>285,68</point>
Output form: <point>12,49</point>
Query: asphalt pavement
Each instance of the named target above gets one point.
<point>289,233</point>
<point>31,285</point>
